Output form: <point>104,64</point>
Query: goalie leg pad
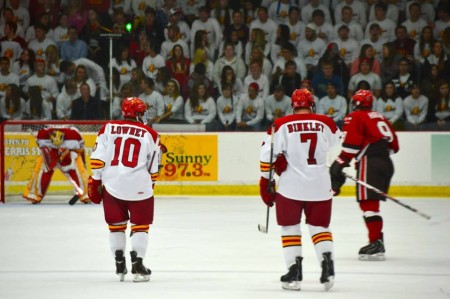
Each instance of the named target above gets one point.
<point>39,182</point>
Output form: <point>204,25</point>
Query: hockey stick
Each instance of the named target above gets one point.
<point>387,196</point>
<point>262,228</point>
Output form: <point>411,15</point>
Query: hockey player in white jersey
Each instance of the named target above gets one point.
<point>300,145</point>
<point>124,167</point>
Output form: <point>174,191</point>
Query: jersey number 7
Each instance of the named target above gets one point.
<point>312,138</point>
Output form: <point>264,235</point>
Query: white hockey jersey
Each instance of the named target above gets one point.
<point>305,140</point>
<point>125,158</point>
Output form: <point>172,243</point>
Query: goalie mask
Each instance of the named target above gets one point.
<point>134,107</point>
<point>303,98</point>
<point>57,137</point>
<point>362,99</point>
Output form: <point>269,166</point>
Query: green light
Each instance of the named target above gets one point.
<point>129,27</point>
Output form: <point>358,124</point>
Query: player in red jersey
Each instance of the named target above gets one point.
<point>124,167</point>
<point>369,139</point>
<point>63,149</point>
<point>301,142</point>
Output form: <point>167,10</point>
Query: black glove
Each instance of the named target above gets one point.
<point>337,176</point>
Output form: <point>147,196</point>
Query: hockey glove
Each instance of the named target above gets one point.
<point>267,191</point>
<point>337,176</point>
<point>280,164</point>
<point>95,190</point>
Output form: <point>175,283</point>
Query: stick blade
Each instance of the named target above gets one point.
<point>73,200</point>
<point>262,228</point>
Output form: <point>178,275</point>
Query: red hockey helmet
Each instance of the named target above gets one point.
<point>133,107</point>
<point>362,99</point>
<point>302,98</point>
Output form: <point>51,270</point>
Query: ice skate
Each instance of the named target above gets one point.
<point>327,277</point>
<point>373,252</point>
<point>139,271</point>
<point>292,279</point>
<point>121,267</point>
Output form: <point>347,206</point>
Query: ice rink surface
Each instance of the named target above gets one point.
<point>201,247</point>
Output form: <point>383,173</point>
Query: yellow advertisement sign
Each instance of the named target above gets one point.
<point>21,153</point>
<point>189,158</point>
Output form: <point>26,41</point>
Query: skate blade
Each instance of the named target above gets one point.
<point>329,284</point>
<point>121,276</point>
<point>291,286</point>
<point>372,257</point>
<point>140,278</point>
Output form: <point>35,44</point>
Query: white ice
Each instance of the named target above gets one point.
<point>209,247</point>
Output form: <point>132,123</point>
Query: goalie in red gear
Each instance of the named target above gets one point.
<point>124,167</point>
<point>369,139</point>
<point>63,149</point>
<point>301,143</point>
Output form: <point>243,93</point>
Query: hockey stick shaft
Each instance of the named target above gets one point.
<point>270,188</point>
<point>387,196</point>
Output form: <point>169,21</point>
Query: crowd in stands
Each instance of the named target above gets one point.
<point>230,65</point>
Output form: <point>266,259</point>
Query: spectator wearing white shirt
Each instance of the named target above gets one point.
<point>443,19</point>
<point>60,33</point>
<point>288,52</point>
<point>228,77</point>
<point>277,104</point>
<point>416,109</point>
<point>47,85</point>
<point>390,105</point>
<point>312,49</point>
<point>6,77</point>
<point>278,11</point>
<point>8,16</point>
<point>324,29</point>
<point>123,63</point>
<point>375,40</point>
<point>200,108</point>
<point>257,39</point>
<point>348,47</point>
<point>257,76</point>
<point>250,110</point>
<point>152,62</point>
<point>12,105</point>
<point>65,99</point>
<point>309,8</point>
<point>282,35</point>
<point>355,28</point>
<point>211,26</point>
<point>41,42</point>
<point>175,19</point>
<point>201,56</point>
<point>226,108</point>
<point>387,26</point>
<point>392,11</point>
<point>296,27</point>
<point>257,54</point>
<point>264,23</point>
<point>229,58</point>
<point>153,100</point>
<point>173,38</point>
<point>24,66</point>
<point>414,24</point>
<point>21,13</point>
<point>333,105</point>
<point>173,104</point>
<point>365,74</point>
<point>427,10</point>
<point>359,11</point>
